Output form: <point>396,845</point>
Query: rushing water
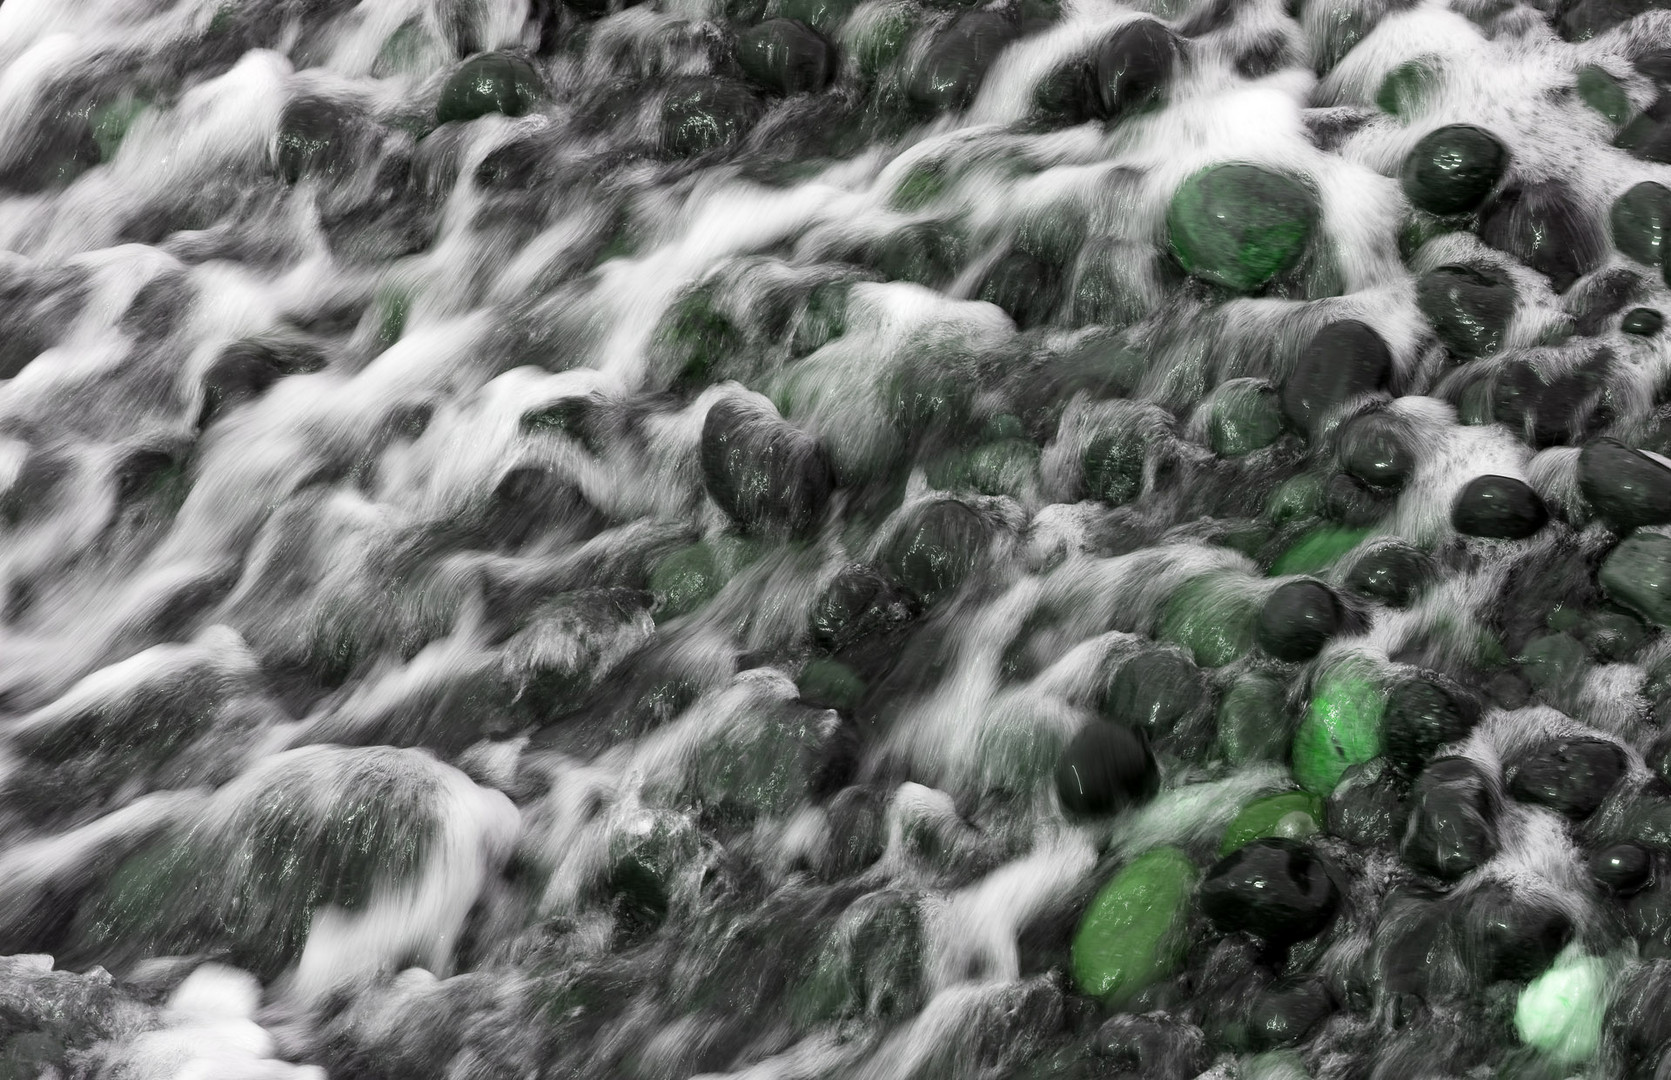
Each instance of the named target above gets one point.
<point>604,590</point>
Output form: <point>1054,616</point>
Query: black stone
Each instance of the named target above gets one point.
<point>956,62</point>
<point>1547,227</point>
<point>1601,296</point>
<point>1393,573</point>
<point>493,82</point>
<point>1621,868</point>
<point>785,56</point>
<point>1498,507</point>
<point>703,115</point>
<point>1287,1011</point>
<point>1134,67</point>
<point>1511,936</point>
<point>1155,691</point>
<point>1553,409</point>
<point>1298,619</point>
<point>316,135</point>
<point>1277,889</point>
<point>1641,222</point>
<point>1452,169</point>
<point>1422,715</point>
<point>1469,307</point>
<point>860,603</point>
<point>1348,502</point>
<point>247,369</point>
<point>1374,450</point>
<point>1572,776</point>
<point>1106,768</point>
<point>1642,321</point>
<point>1153,1046</point>
<point>1113,466</point>
<point>1366,808</point>
<point>1452,827</point>
<point>938,548</point>
<point>764,473</point>
<point>1027,288</point>
<point>1626,489</point>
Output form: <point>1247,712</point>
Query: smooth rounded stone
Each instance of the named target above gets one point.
<point>957,60</point>
<point>1374,450</point>
<point>1318,549</point>
<point>1554,410</point>
<point>925,252</point>
<point>1341,728</point>
<point>1393,573</point>
<point>1298,619</point>
<point>1547,227</point>
<point>1469,307</point>
<point>1134,66</point>
<point>1342,362</point>
<point>1612,635</point>
<point>829,684</point>
<point>1113,466</point>
<point>1106,768</point>
<point>1354,505</point>
<point>860,603</point>
<point>1637,575</point>
<point>1422,715</point>
<point>701,115</point>
<point>1133,934</point>
<point>1452,827</point>
<point>1240,225</point>
<point>1286,1012</point>
<point>764,473</point>
<point>1641,222</point>
<point>1453,168</point>
<point>1027,288</point>
<point>937,549</point>
<point>247,369</point>
<point>1155,691</point>
<point>315,136</point>
<point>1642,321</point>
<point>492,82</point>
<point>1572,776</point>
<point>786,57</point>
<point>1498,508</point>
<point>1511,936</point>
<point>1603,93</point>
<point>1254,723</point>
<point>1625,487</point>
<point>1245,418</point>
<point>1561,1013</point>
<point>1276,889</point>
<point>1293,815</point>
<point>1621,868</point>
<point>1366,807</point>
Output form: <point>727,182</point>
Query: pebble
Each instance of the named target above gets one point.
<point>1104,769</point>
<point>1277,889</point>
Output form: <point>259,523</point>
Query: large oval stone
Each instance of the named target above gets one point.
<point>1452,169</point>
<point>1452,827</point>
<point>1469,307</point>
<point>1133,933</point>
<point>938,548</point>
<point>1637,574</point>
<point>1421,716</point>
<point>1641,222</point>
<point>1627,489</point>
<point>1498,508</point>
<point>493,82</point>
<point>1104,769</point>
<point>1571,776</point>
<point>1134,67</point>
<point>1298,619</point>
<point>786,57</point>
<point>764,473</point>
<point>1343,361</point>
<point>1241,225</point>
<point>1548,227</point>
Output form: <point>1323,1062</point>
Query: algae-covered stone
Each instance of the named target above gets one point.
<point>1133,933</point>
<point>829,684</point>
<point>1241,225</point>
<point>686,579</point>
<point>1641,222</point>
<point>1213,617</point>
<point>1637,574</point>
<point>1625,487</point>
<point>1603,93</point>
<point>1561,1012</point>
<point>1317,550</point>
<point>1292,815</point>
<point>1246,416</point>
<point>493,82</point>
<point>1469,307</point>
<point>786,56</point>
<point>1452,169</point>
<point>1113,465</point>
<point>1342,728</point>
<point>1254,723</point>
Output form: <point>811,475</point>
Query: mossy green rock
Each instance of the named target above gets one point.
<point>1132,935</point>
<point>1293,814</point>
<point>1317,550</point>
<point>493,82</point>
<point>1407,88</point>
<point>1253,720</point>
<point>1246,417</point>
<point>1212,618</point>
<point>1602,92</point>
<point>1637,574</point>
<point>1341,728</point>
<point>1240,225</point>
<point>1641,222</point>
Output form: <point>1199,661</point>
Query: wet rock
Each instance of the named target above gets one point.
<point>1113,466</point>
<point>861,603</point>
<point>1134,67</point>
<point>1547,227</point>
<point>1394,574</point>
<point>493,82</point>
<point>1277,889</point>
<point>1639,1017</point>
<point>701,115</point>
<point>1587,18</point>
<point>1511,936</point>
<point>1104,769</point>
<point>1240,225</point>
<point>1342,728</point>
<point>937,549</point>
<point>1027,288</point>
<point>1641,222</point>
<point>247,369</point>
<point>1469,307</point>
<point>1637,574</point>
<point>1643,322</point>
<point>1298,619</point>
<point>1453,168</point>
<point>1626,488</point>
<point>1602,92</point>
<point>1422,715</point>
<point>1342,362</point>
<point>765,474</point>
<point>956,62</point>
<point>1553,408</point>
<point>1245,417</point>
<point>1572,776</point>
<point>1254,723</point>
<point>316,136</point>
<point>1155,691</point>
<point>1498,507</point>
<point>1293,815</point>
<point>1373,449</point>
<point>1289,1010</point>
<point>1612,635</point>
<point>1366,807</point>
<point>1133,932</point>
<point>1452,827</point>
<point>785,56</point>
<point>1621,869</point>
<point>1152,1046</point>
<point>1354,505</point>
<point>927,253</point>
<point>1602,296</point>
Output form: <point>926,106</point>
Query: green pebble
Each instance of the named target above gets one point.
<point>1296,499</point>
<point>830,684</point>
<point>1407,88</point>
<point>1602,92</point>
<point>1637,574</point>
<point>1561,1011</point>
<point>1246,417</point>
<point>1317,550</point>
<point>490,83</point>
<point>1641,222</point>
<point>997,468</point>
<point>1253,721</point>
<point>1240,225</point>
<point>1342,728</point>
<point>684,581</point>
<point>1273,816</point>
<point>1212,618</point>
<point>110,124</point>
<point>922,185</point>
<point>1133,934</point>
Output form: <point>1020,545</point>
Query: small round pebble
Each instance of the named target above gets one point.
<point>1106,768</point>
<point>1621,868</point>
<point>1644,322</point>
<point>1498,508</point>
<point>1298,619</point>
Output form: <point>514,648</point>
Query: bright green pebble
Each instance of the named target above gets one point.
<point>1317,550</point>
<point>1287,815</point>
<point>922,185</point>
<point>1407,88</point>
<point>1240,225</point>
<point>1560,1012</point>
<point>1602,92</point>
<point>1212,619</point>
<point>1341,729</point>
<point>1132,935</point>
